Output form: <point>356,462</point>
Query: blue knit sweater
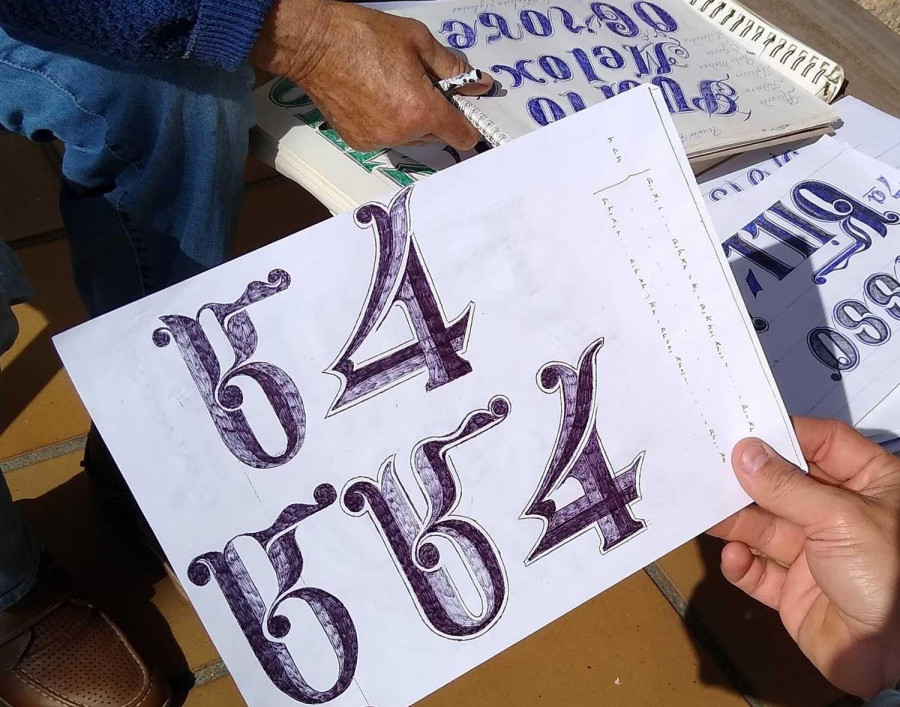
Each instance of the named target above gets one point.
<point>217,32</point>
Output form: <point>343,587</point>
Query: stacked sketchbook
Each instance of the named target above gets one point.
<point>731,82</point>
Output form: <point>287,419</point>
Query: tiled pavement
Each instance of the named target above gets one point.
<point>676,634</point>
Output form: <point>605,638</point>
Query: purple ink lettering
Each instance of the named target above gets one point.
<point>400,278</point>
<point>544,111</point>
<point>519,73</point>
<point>584,63</point>
<point>575,100</point>
<point>494,20</point>
<point>673,93</point>
<point>223,399</point>
<point>608,57</point>
<point>555,68</point>
<point>259,620</point>
<point>656,57</point>
<point>409,536</point>
<point>579,454</point>
<point>716,98</point>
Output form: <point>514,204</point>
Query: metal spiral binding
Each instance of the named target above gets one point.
<point>826,76</point>
<point>487,127</point>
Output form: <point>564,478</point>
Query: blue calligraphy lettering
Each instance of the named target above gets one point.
<point>555,67</point>
<point>459,34</point>
<point>616,20</point>
<point>664,22</point>
<point>543,28</point>
<point>494,20</point>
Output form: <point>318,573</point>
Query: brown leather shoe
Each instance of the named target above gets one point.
<point>58,651</point>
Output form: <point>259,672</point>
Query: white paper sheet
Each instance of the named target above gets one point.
<point>511,280</point>
<point>818,267</point>
<point>862,126</point>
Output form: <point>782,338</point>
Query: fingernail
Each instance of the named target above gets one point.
<point>754,456</point>
<point>484,79</point>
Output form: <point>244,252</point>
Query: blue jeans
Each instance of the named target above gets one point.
<point>152,185</point>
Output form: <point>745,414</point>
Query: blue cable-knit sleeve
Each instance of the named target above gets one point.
<point>217,32</point>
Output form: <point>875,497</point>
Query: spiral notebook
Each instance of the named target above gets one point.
<point>730,79</point>
<point>732,82</point>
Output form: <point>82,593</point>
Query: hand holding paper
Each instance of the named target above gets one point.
<point>826,550</point>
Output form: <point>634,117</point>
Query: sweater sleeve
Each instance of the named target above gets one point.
<point>216,32</point>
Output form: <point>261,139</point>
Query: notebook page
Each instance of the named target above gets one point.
<point>869,130</point>
<point>817,262</point>
<point>574,343</point>
<point>552,58</point>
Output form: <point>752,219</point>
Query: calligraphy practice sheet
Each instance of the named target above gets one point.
<point>863,127</point>
<point>383,450</point>
<point>815,249</point>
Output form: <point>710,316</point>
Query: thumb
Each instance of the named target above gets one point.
<point>780,487</point>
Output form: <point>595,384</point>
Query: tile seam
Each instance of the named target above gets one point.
<point>699,631</point>
<point>43,454</point>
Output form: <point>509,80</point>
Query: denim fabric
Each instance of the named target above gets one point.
<point>888,698</point>
<point>152,185</point>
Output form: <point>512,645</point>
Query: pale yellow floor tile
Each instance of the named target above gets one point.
<point>221,693</point>
<point>38,403</point>
<point>626,647</point>
<point>751,635</point>
<point>29,190</point>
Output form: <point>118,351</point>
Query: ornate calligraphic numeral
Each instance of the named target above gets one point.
<point>867,327</point>
<point>833,350</point>
<point>409,536</point>
<point>223,399</point>
<point>884,290</point>
<point>400,278</point>
<point>259,620</point>
<point>579,455</point>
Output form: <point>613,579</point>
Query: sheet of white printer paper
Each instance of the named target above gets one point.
<point>869,130</point>
<point>366,501</point>
<point>814,251</point>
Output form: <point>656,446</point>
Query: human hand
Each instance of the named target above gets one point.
<point>824,550</point>
<point>370,73</point>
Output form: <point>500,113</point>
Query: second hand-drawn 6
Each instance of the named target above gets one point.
<point>409,536</point>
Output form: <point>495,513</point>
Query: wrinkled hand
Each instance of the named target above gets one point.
<point>369,73</point>
<point>824,550</point>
